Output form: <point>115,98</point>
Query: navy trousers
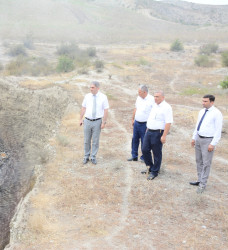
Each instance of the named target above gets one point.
<point>152,142</point>
<point>139,131</point>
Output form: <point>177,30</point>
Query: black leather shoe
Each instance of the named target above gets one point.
<point>145,172</point>
<point>133,159</point>
<point>85,160</point>
<point>151,177</point>
<point>94,161</point>
<point>196,183</point>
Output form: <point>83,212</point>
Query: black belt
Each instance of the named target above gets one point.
<point>156,130</point>
<point>92,120</point>
<point>204,137</point>
<point>140,122</point>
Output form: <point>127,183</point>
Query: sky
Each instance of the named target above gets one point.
<point>213,2</point>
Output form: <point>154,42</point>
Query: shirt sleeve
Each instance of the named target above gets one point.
<point>84,102</point>
<point>106,104</point>
<point>218,128</point>
<point>169,115</point>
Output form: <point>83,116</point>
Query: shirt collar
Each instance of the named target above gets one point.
<point>97,94</point>
<point>161,104</point>
<point>211,108</point>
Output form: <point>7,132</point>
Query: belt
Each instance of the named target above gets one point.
<point>204,137</point>
<point>156,130</point>
<point>92,120</point>
<point>140,122</point>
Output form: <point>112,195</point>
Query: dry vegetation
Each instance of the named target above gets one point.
<point>111,205</point>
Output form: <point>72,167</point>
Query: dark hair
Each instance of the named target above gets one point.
<point>211,97</point>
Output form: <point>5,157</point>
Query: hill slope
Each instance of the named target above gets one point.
<point>98,22</point>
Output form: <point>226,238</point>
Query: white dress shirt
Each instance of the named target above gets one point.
<point>160,115</point>
<point>211,125</point>
<point>101,104</point>
<point>143,107</point>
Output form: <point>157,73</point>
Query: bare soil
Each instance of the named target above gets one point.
<point>112,205</point>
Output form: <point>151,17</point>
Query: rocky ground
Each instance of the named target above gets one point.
<point>112,205</point>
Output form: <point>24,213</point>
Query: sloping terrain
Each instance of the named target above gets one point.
<point>102,22</point>
<point>182,12</point>
<point>112,205</point>
<point>28,119</point>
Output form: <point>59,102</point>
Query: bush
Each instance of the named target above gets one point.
<point>28,41</point>
<point>17,50</point>
<point>41,67</point>
<point>18,67</point>
<point>65,64</point>
<point>176,45</point>
<point>70,50</point>
<point>91,51</point>
<point>83,71</point>
<point>224,83</point>
<point>204,61</point>
<point>1,67</point>
<point>24,65</point>
<point>225,58</point>
<point>99,65</point>
<point>209,48</point>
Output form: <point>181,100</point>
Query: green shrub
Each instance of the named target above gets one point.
<point>176,45</point>
<point>203,61</point>
<point>17,50</point>
<point>91,51</point>
<point>99,65</point>
<point>224,83</point>
<point>65,64</point>
<point>70,50</point>
<point>225,58</point>
<point>209,48</point>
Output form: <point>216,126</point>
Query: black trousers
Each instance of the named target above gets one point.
<point>152,144</point>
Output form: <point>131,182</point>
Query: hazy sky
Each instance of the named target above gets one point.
<point>216,2</point>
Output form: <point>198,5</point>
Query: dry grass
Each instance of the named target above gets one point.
<point>111,205</point>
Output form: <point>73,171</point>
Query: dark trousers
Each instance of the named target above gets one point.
<point>139,130</point>
<point>152,142</point>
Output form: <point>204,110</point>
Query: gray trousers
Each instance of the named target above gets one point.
<point>92,130</point>
<point>203,159</point>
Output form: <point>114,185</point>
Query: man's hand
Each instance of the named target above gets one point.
<point>163,139</point>
<point>81,122</point>
<point>211,148</point>
<point>103,125</point>
<point>193,143</point>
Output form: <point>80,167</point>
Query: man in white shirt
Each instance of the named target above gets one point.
<point>158,126</point>
<point>95,108</point>
<point>206,135</point>
<point>143,105</point>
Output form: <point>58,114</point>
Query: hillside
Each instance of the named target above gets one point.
<point>181,12</point>
<point>100,22</point>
